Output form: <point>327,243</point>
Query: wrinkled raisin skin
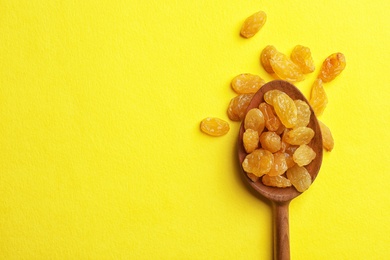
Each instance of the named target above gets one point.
<point>253,24</point>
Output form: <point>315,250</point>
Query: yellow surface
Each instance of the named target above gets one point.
<point>101,156</point>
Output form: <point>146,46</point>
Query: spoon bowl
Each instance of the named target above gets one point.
<point>281,197</point>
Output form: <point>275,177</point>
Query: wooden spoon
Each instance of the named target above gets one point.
<point>281,197</point>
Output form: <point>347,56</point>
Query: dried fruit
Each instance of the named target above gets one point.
<point>303,155</point>
<point>332,67</point>
<point>237,106</point>
<point>214,126</point>
<point>270,95</point>
<point>259,162</point>
<point>254,119</point>
<point>285,109</point>
<point>247,83</point>
<point>265,57</point>
<point>301,56</point>
<point>285,69</point>
<point>318,97</point>
<point>253,177</point>
<point>276,181</point>
<point>280,165</point>
<point>300,135</point>
<point>250,140</point>
<point>299,177</point>
<point>272,122</point>
<point>327,138</point>
<point>270,141</point>
<point>288,153</point>
<point>253,24</point>
<point>303,113</point>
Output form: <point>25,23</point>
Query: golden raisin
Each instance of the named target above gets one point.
<point>253,24</point>
<point>254,119</point>
<point>303,113</point>
<point>259,162</point>
<point>285,69</point>
<point>250,140</point>
<point>332,67</point>
<point>247,83</point>
<point>301,56</point>
<point>327,138</point>
<point>272,122</point>
<point>280,165</point>
<point>288,153</point>
<point>265,57</point>
<point>214,126</point>
<point>285,109</point>
<point>270,141</point>
<point>300,135</point>
<point>270,95</point>
<point>318,97</point>
<point>276,181</point>
<point>237,106</point>
<point>299,177</point>
<point>303,155</point>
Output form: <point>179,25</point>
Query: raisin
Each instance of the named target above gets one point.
<point>253,24</point>
<point>332,66</point>
<point>280,165</point>
<point>318,97</point>
<point>250,140</point>
<point>270,95</point>
<point>299,177</point>
<point>259,162</point>
<point>303,113</point>
<point>270,141</point>
<point>285,109</point>
<point>285,69</point>
<point>237,106</point>
<point>300,135</point>
<point>272,122</point>
<point>247,83</point>
<point>276,181</point>
<point>214,126</point>
<point>254,119</point>
<point>265,57</point>
<point>303,155</point>
<point>327,138</point>
<point>301,56</point>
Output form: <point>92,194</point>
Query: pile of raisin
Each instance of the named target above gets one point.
<point>278,152</point>
<point>277,135</point>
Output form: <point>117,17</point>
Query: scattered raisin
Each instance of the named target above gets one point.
<point>327,138</point>
<point>301,56</point>
<point>214,126</point>
<point>253,24</point>
<point>332,67</point>
<point>265,57</point>
<point>247,83</point>
<point>318,97</point>
<point>285,69</point>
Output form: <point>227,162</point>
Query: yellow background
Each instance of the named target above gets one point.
<point>101,156</point>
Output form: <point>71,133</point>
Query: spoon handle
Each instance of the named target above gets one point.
<point>281,231</point>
